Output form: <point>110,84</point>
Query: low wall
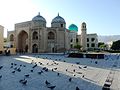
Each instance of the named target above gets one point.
<point>92,56</point>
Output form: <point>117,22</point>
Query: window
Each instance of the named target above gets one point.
<point>92,45</point>
<point>51,35</point>
<point>71,45</point>
<point>87,45</point>
<point>87,39</point>
<point>61,25</point>
<point>92,39</point>
<point>71,40</point>
<point>76,40</point>
<point>35,35</point>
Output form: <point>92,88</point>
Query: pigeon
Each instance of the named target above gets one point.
<point>83,76</point>
<point>96,62</point>
<point>1,67</point>
<point>74,75</point>
<point>66,69</point>
<point>70,79</point>
<point>73,70</point>
<point>24,82</point>
<point>24,65</point>
<point>34,66</point>
<point>15,68</point>
<point>11,63</point>
<point>58,74</point>
<point>51,87</point>
<point>79,67</point>
<point>27,75</point>
<point>46,69</point>
<point>77,88</point>
<point>55,68</point>
<point>52,70</point>
<point>13,71</point>
<point>40,63</point>
<point>11,67</point>
<point>0,76</point>
<point>31,70</point>
<point>77,62</point>
<point>47,83</point>
<point>19,70</point>
<point>40,72</point>
<point>85,67</point>
<point>15,64</point>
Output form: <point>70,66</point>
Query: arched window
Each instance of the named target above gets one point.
<point>11,37</point>
<point>35,35</point>
<point>51,36</point>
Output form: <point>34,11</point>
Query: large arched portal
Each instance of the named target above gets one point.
<point>51,42</point>
<point>23,41</point>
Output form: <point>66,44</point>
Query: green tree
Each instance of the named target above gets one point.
<point>5,39</point>
<point>100,44</point>
<point>77,46</point>
<point>116,45</point>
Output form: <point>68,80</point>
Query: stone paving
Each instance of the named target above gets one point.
<point>30,72</point>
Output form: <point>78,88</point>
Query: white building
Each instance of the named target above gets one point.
<point>87,41</point>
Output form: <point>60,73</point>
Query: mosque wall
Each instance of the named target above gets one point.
<point>1,38</point>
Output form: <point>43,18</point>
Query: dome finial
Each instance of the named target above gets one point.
<point>38,13</point>
<point>58,13</point>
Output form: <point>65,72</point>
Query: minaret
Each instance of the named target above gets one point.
<point>83,36</point>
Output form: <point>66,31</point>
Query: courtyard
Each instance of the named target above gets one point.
<point>58,72</point>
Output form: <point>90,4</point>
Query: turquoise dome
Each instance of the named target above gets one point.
<point>73,27</point>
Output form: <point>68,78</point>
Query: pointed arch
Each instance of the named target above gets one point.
<point>51,36</point>
<point>35,48</point>
<point>22,41</point>
<point>35,35</point>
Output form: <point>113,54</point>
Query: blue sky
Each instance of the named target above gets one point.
<point>102,16</point>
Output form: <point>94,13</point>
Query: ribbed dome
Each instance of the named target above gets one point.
<point>39,18</point>
<point>73,27</point>
<point>58,19</point>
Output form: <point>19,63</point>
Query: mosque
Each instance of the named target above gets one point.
<point>1,39</point>
<point>34,37</point>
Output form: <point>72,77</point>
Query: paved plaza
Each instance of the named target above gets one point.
<point>57,72</point>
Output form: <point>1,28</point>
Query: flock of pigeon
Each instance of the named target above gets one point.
<point>16,67</point>
<point>45,66</point>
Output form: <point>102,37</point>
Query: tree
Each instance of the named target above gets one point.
<point>5,39</point>
<point>101,44</point>
<point>116,45</point>
<point>77,46</point>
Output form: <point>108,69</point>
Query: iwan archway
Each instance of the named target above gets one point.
<point>23,41</point>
